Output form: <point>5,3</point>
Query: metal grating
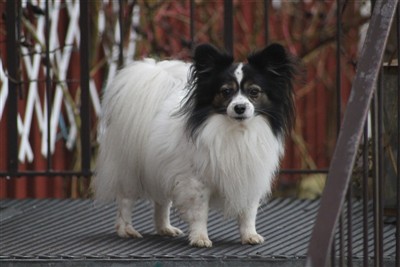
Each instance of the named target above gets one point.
<point>67,232</point>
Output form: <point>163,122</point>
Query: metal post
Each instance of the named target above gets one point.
<point>121,34</point>
<point>192,27</point>
<point>266,21</point>
<point>398,141</point>
<point>380,171</point>
<point>377,171</point>
<point>338,66</point>
<point>339,112</point>
<point>228,25</point>
<point>48,86</point>
<point>85,97</point>
<point>365,192</point>
<point>13,84</point>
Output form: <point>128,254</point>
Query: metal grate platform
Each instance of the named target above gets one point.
<point>79,232</point>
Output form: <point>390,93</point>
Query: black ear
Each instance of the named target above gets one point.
<point>272,58</point>
<point>208,58</point>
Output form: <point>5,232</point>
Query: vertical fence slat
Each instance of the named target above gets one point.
<point>377,171</point>
<point>349,190</point>
<point>85,97</point>
<point>266,21</point>
<point>365,192</point>
<point>48,86</point>
<point>380,169</point>
<point>228,25</point>
<point>338,66</point>
<point>398,140</point>
<point>349,227</point>
<point>352,127</point>
<point>339,113</point>
<point>341,240</point>
<point>192,26</point>
<point>121,34</point>
<point>13,83</point>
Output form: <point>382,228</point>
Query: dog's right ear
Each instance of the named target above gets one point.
<point>208,58</point>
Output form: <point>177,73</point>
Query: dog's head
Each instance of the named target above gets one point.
<point>261,87</point>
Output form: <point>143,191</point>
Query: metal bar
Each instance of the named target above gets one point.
<point>121,34</point>
<point>299,171</point>
<point>85,97</point>
<point>365,193</point>
<point>338,67</point>
<point>341,240</point>
<point>47,173</point>
<point>18,38</point>
<point>48,85</point>
<point>192,26</point>
<point>349,227</point>
<point>339,33</point>
<point>339,112</point>
<point>266,21</point>
<point>283,171</point>
<point>375,166</point>
<point>344,155</point>
<point>13,84</point>
<point>288,172</point>
<point>228,25</point>
<point>380,170</point>
<point>377,110</point>
<point>398,141</point>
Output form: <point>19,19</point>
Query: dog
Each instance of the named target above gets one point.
<point>200,135</point>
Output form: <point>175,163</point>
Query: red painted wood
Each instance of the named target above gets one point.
<point>171,27</point>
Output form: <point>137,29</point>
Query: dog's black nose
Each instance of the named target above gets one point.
<point>240,108</point>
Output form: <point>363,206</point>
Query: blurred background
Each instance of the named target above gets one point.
<point>326,39</point>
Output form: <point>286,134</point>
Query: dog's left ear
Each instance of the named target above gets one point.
<point>273,59</point>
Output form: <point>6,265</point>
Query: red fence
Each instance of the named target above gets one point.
<point>165,29</point>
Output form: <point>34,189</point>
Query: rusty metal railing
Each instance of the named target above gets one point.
<point>332,201</point>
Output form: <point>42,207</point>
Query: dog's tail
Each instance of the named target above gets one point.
<point>129,106</point>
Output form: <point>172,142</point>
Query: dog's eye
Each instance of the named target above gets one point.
<point>254,91</point>
<point>226,92</point>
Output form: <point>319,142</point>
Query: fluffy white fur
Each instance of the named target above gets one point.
<point>146,153</point>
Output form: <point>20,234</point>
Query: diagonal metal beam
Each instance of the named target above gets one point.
<point>352,127</point>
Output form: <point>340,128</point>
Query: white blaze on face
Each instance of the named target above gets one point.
<point>240,107</point>
<point>239,73</point>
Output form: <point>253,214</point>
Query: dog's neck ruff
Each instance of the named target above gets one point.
<point>239,159</point>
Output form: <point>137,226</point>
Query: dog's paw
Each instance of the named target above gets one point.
<point>200,241</point>
<point>252,239</point>
<point>126,231</point>
<point>169,231</point>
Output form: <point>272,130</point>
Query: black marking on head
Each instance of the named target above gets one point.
<point>209,72</point>
<point>273,69</point>
<point>267,82</point>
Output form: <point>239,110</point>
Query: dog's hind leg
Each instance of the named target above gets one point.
<point>124,219</point>
<point>162,222</point>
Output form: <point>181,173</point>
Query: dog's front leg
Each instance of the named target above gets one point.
<point>162,222</point>
<point>191,198</point>
<point>247,226</point>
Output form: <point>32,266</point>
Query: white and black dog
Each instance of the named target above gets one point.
<point>200,135</point>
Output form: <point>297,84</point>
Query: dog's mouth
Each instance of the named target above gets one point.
<point>241,118</point>
<point>235,117</point>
